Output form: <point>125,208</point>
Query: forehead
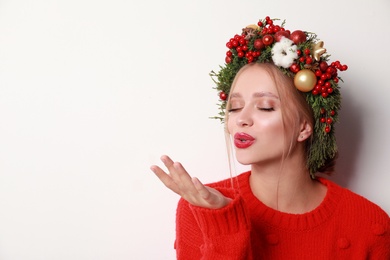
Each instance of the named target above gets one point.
<point>254,79</point>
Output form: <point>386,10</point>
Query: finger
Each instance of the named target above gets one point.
<point>201,189</point>
<point>178,173</point>
<point>167,162</point>
<point>183,179</point>
<point>165,178</point>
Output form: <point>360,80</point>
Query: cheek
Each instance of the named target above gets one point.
<point>229,124</point>
<point>271,123</point>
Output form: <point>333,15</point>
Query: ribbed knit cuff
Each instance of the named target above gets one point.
<point>227,220</point>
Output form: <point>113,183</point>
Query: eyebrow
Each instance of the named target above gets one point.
<point>256,94</point>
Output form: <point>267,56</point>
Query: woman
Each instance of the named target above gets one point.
<point>280,116</point>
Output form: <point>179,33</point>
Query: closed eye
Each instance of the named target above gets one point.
<point>234,109</point>
<point>267,109</point>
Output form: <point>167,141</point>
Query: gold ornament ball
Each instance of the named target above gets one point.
<point>305,80</point>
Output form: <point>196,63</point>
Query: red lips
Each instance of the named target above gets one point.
<point>243,140</point>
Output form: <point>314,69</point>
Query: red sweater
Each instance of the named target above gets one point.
<point>344,226</point>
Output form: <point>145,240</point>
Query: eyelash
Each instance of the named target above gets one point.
<point>233,110</point>
<point>266,109</point>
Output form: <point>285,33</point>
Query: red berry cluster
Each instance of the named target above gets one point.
<point>268,34</point>
<point>327,119</point>
<point>240,45</point>
<point>304,57</point>
<point>325,74</point>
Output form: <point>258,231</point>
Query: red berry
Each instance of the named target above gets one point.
<point>260,24</point>
<point>229,45</point>
<point>324,94</point>
<point>299,52</point>
<point>309,60</point>
<point>344,67</point>
<point>318,73</point>
<point>329,120</point>
<point>242,41</point>
<point>295,68</point>
<point>228,59</point>
<point>240,54</point>
<point>336,80</point>
<point>330,70</point>
<point>332,113</point>
<point>222,95</point>
<point>322,120</point>
<point>307,51</point>
<point>327,129</point>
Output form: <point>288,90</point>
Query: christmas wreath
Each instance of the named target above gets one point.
<point>299,55</point>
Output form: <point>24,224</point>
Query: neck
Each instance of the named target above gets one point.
<point>288,189</point>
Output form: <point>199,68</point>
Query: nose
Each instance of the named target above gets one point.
<point>245,118</point>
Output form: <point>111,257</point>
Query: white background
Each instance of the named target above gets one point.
<point>93,92</point>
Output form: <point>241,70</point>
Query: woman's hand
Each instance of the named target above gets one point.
<point>190,189</point>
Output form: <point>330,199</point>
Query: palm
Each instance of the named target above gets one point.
<point>190,189</point>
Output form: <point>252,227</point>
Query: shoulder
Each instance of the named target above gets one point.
<point>354,204</point>
<point>357,213</point>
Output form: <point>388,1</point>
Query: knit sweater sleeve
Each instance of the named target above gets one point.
<point>213,234</point>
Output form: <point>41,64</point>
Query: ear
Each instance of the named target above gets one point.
<point>306,130</point>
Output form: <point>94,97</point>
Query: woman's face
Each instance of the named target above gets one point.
<point>255,118</point>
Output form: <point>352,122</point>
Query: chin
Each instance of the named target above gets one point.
<point>260,159</point>
<point>245,160</point>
